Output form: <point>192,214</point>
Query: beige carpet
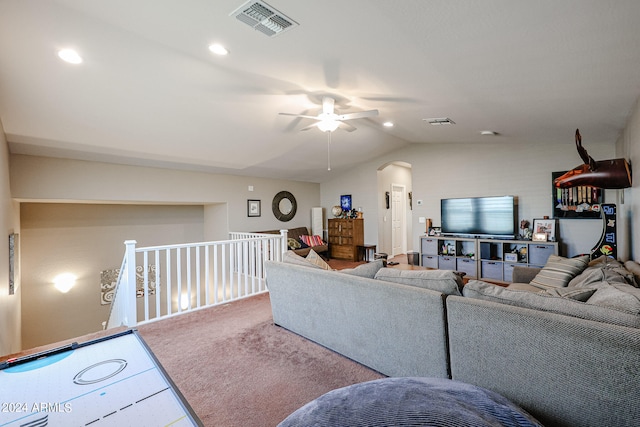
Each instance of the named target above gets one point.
<point>236,368</point>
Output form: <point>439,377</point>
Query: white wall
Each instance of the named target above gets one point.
<point>628,146</point>
<point>60,180</point>
<point>462,170</point>
<point>10,325</point>
<point>86,210</point>
<point>85,239</point>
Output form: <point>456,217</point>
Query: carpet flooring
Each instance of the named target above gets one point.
<point>236,368</point>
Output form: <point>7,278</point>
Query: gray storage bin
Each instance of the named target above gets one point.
<point>467,266</point>
<point>430,261</point>
<point>508,271</point>
<point>538,253</point>
<point>429,246</point>
<point>491,270</point>
<point>413,258</point>
<point>446,262</point>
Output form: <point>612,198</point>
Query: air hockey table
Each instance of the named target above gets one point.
<point>112,381</point>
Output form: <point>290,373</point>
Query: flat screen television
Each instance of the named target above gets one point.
<point>488,217</point>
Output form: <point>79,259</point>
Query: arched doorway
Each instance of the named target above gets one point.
<point>394,219</point>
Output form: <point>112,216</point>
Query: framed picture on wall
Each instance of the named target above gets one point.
<point>253,207</point>
<point>345,202</point>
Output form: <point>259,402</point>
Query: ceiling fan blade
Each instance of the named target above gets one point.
<point>358,115</point>
<point>328,105</point>
<point>347,127</point>
<point>299,115</point>
<point>310,126</point>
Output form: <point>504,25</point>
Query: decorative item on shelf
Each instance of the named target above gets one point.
<point>526,231</point>
<point>434,231</point>
<point>511,257</point>
<point>336,211</point>
<point>539,237</point>
<point>359,213</point>
<point>546,226</point>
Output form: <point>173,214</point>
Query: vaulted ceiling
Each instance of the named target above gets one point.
<point>149,91</point>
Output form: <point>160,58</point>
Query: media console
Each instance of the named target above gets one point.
<point>484,259</point>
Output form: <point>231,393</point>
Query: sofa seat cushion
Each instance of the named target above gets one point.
<point>444,281</point>
<point>558,271</point>
<point>544,301</point>
<point>367,270</point>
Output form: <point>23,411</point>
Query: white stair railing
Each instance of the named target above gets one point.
<point>162,281</point>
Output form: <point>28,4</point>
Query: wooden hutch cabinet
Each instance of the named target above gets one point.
<point>345,235</point>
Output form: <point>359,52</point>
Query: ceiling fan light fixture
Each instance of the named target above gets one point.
<point>328,125</point>
<point>388,124</point>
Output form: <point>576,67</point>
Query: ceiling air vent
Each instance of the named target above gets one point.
<point>263,18</point>
<point>440,121</point>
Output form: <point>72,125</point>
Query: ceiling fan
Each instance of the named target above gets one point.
<point>328,120</point>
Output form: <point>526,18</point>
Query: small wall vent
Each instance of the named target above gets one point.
<point>440,121</point>
<point>263,18</point>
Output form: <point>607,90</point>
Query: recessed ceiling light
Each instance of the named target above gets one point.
<point>388,124</point>
<point>487,132</point>
<point>218,49</point>
<point>70,56</point>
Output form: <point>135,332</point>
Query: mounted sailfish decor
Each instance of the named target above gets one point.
<point>613,174</point>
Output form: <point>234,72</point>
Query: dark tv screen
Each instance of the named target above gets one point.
<point>479,216</point>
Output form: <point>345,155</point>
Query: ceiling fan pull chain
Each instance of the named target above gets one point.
<point>329,152</point>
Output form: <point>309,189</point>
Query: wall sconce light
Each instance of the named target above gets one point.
<point>64,282</point>
<point>185,302</point>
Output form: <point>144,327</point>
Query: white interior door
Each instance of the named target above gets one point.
<point>398,224</point>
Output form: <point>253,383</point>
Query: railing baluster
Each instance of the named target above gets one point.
<point>233,269</point>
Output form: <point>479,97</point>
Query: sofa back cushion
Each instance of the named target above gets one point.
<point>544,301</point>
<point>367,270</point>
<point>558,271</point>
<point>444,281</point>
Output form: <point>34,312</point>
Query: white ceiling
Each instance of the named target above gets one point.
<point>149,92</point>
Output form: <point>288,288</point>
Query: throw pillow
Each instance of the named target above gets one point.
<point>312,240</point>
<point>291,257</point>
<point>293,243</point>
<point>558,271</point>
<point>444,281</point>
<point>634,268</point>
<point>317,260</point>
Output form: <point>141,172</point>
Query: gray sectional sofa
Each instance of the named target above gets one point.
<point>568,353</point>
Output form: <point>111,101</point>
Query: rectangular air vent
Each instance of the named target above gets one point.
<point>440,121</point>
<point>263,18</point>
